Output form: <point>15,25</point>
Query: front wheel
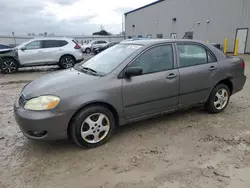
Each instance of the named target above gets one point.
<point>66,62</point>
<point>8,65</point>
<point>92,126</point>
<point>218,99</point>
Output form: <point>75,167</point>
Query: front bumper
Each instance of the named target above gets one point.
<point>54,124</point>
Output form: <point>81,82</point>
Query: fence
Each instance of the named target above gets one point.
<point>15,40</point>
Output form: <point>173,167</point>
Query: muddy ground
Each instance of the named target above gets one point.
<point>190,148</point>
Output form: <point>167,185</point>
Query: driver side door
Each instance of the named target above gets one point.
<point>157,89</point>
<point>32,53</point>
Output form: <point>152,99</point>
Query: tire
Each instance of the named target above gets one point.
<point>88,50</point>
<point>67,61</point>
<point>9,65</point>
<point>87,128</point>
<point>216,104</point>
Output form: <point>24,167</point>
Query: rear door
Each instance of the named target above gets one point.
<point>32,54</point>
<point>198,69</point>
<point>157,89</point>
<point>52,50</point>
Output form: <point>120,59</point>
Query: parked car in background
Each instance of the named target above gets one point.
<point>133,39</point>
<point>98,49</point>
<point>126,83</point>
<point>64,52</point>
<point>8,60</point>
<point>95,43</point>
<point>5,46</point>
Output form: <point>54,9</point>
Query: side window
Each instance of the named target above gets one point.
<point>102,42</point>
<point>156,59</point>
<point>2,46</point>
<point>51,43</point>
<point>210,57</point>
<point>34,45</point>
<point>63,43</point>
<point>191,54</point>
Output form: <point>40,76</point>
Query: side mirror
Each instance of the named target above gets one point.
<point>23,48</point>
<point>133,71</point>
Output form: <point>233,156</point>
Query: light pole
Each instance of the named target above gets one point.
<point>13,34</point>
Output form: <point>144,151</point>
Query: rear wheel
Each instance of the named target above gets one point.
<point>9,65</point>
<point>92,126</point>
<point>219,99</point>
<point>66,62</point>
<point>88,50</point>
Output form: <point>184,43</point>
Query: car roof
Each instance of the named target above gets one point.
<point>52,38</point>
<point>158,41</point>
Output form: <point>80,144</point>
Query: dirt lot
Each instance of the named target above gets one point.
<point>186,149</point>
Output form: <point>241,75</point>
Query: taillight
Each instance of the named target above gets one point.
<point>243,64</point>
<point>77,46</point>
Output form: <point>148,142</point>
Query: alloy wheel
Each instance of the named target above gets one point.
<point>95,128</point>
<point>9,66</point>
<point>221,98</point>
<point>68,62</point>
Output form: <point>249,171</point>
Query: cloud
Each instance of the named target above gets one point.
<point>64,17</point>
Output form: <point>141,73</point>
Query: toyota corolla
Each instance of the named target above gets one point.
<point>128,82</point>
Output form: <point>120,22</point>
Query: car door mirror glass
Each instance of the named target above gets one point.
<point>23,48</point>
<point>133,71</point>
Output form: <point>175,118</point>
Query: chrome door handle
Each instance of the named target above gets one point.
<point>212,68</point>
<point>171,76</point>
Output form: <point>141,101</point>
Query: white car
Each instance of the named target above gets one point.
<point>64,52</point>
<point>94,43</point>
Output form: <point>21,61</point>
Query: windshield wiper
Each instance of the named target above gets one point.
<point>89,69</point>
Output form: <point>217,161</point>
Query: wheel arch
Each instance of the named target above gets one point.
<point>5,57</point>
<point>228,83</point>
<point>66,55</point>
<point>99,103</point>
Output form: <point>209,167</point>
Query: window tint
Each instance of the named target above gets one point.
<point>51,43</point>
<point>155,60</point>
<point>210,57</point>
<point>190,55</point>
<point>63,43</point>
<point>102,42</point>
<point>4,46</point>
<point>33,45</point>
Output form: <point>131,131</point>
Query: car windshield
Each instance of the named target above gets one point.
<point>109,59</point>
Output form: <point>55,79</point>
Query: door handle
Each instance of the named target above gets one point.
<point>171,76</point>
<point>212,68</point>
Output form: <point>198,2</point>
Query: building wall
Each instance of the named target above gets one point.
<point>225,17</point>
<point>81,39</point>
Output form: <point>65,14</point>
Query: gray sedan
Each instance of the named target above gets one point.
<point>128,82</point>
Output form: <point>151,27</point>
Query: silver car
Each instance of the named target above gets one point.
<point>126,83</point>
<point>61,51</point>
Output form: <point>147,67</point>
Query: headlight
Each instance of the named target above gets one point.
<point>42,103</point>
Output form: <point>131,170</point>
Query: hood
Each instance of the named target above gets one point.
<point>58,83</point>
